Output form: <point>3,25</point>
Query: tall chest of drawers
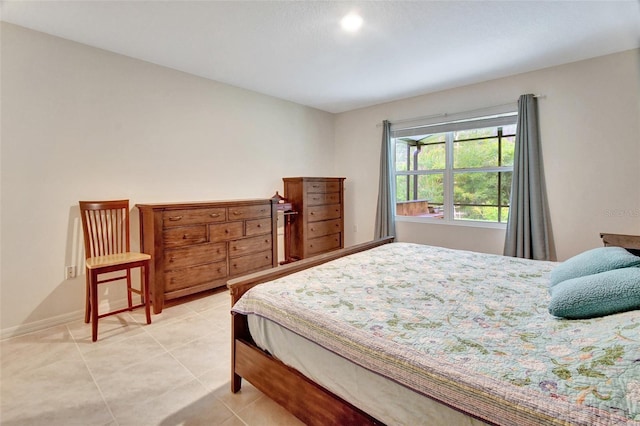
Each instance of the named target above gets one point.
<point>199,246</point>
<point>319,225</point>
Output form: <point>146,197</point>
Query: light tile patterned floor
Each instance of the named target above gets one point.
<point>174,371</point>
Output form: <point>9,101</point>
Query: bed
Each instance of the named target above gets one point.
<point>429,336</point>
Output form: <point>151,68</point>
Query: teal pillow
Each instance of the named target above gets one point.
<point>593,261</point>
<point>597,295</point>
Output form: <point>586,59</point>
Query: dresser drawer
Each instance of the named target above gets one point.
<point>249,212</point>
<point>184,235</point>
<point>244,264</point>
<point>249,245</point>
<point>183,278</point>
<point>322,244</point>
<point>192,216</point>
<point>194,255</point>
<point>258,226</point>
<point>225,231</point>
<point>331,211</point>
<point>323,186</point>
<point>326,227</point>
<point>323,198</point>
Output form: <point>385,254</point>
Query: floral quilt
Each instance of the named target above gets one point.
<point>468,329</point>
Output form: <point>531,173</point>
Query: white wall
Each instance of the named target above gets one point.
<point>590,132</point>
<point>80,123</point>
<point>83,123</point>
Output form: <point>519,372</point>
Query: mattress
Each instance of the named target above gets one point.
<point>380,397</point>
<point>469,329</point>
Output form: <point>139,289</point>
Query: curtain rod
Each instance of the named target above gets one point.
<point>445,114</point>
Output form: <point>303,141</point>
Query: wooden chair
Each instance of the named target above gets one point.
<point>106,244</point>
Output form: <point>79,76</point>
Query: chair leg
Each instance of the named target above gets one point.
<point>87,303</point>
<point>94,306</point>
<point>147,298</point>
<point>129,299</point>
<point>143,285</point>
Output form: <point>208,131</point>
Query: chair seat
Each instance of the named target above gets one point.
<point>115,259</point>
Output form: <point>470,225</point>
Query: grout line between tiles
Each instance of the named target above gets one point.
<point>95,382</point>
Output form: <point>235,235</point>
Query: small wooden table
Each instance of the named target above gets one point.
<point>288,213</point>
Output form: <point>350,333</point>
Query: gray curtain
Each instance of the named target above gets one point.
<point>385,214</point>
<point>528,233</point>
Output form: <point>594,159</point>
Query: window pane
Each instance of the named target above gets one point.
<point>480,188</point>
<point>420,208</point>
<point>421,153</point>
<point>419,195</point>
<point>431,188</point>
<point>435,138</point>
<point>402,156</point>
<point>402,187</point>
<point>484,213</point>
<point>509,130</point>
<point>475,133</point>
<point>432,157</point>
<point>477,153</point>
<point>508,148</point>
<point>476,196</point>
<point>504,214</point>
<point>505,188</point>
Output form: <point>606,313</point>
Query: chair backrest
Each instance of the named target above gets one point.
<point>106,227</point>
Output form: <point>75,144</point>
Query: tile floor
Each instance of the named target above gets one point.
<point>174,371</point>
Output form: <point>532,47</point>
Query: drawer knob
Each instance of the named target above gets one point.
<point>259,225</point>
<point>311,214</point>
<point>236,212</point>
<point>215,215</point>
<point>313,230</point>
<point>185,236</point>
<point>226,231</point>
<point>175,218</point>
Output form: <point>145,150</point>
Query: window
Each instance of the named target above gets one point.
<point>456,171</point>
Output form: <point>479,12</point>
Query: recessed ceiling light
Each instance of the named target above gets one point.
<point>351,22</point>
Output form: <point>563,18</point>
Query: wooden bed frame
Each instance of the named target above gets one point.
<point>302,397</point>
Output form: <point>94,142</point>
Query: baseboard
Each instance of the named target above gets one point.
<point>39,325</point>
<point>62,319</point>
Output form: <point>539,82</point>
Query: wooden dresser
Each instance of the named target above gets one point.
<point>319,225</point>
<point>199,246</point>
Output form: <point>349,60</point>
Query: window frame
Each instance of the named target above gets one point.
<point>449,128</point>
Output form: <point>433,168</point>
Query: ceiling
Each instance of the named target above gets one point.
<point>296,50</point>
